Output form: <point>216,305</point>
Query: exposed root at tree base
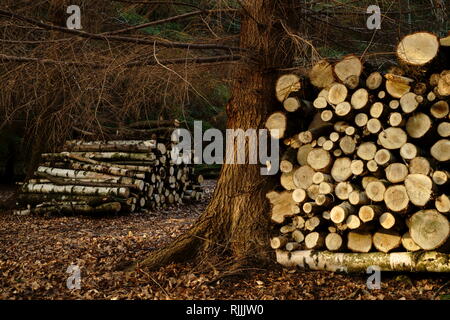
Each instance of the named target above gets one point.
<point>188,247</point>
<point>183,248</point>
<point>232,224</point>
<point>210,253</point>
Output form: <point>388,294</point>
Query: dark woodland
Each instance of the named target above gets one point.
<point>73,100</point>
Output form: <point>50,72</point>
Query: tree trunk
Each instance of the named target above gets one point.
<point>237,219</point>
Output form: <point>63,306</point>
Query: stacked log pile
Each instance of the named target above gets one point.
<point>90,177</point>
<point>371,172</point>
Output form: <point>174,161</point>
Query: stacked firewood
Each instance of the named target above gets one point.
<point>90,177</point>
<point>371,172</point>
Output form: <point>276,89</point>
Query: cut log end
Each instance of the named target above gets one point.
<point>285,85</point>
<point>429,229</point>
<point>418,49</point>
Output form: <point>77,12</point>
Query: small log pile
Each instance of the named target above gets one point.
<point>371,171</point>
<point>91,177</point>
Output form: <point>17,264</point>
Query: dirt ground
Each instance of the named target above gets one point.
<point>35,253</point>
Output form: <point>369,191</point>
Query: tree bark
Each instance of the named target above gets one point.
<point>73,208</point>
<point>353,262</point>
<point>236,221</point>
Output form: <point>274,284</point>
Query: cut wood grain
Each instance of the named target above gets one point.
<point>286,84</point>
<point>392,138</point>
<point>341,170</point>
<point>321,74</point>
<point>429,229</point>
<point>348,67</point>
<point>386,241</point>
<point>418,49</point>
<point>441,150</point>
<point>419,188</point>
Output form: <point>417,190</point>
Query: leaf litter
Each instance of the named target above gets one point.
<point>35,252</point>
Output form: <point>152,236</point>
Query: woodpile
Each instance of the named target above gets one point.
<point>91,177</point>
<point>371,172</point>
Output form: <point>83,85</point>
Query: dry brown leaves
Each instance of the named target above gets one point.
<point>35,253</point>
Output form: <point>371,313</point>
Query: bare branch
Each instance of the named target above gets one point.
<point>167,44</point>
<point>160,2</point>
<point>170,19</point>
<point>8,58</point>
<point>34,41</point>
<point>196,60</point>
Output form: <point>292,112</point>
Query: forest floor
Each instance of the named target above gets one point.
<point>35,253</point>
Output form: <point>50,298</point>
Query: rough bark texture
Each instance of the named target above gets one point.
<point>237,219</point>
<point>353,262</point>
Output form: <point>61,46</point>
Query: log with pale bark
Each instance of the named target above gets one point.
<point>101,147</point>
<point>112,156</point>
<point>139,174</point>
<point>135,166</point>
<point>72,208</point>
<point>132,184</point>
<point>77,190</point>
<point>34,199</point>
<point>110,170</point>
<point>430,261</point>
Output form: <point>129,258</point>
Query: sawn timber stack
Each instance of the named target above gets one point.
<point>93,177</point>
<point>366,183</point>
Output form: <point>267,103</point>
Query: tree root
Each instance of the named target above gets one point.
<point>185,247</point>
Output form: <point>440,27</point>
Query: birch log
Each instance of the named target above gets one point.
<point>359,262</point>
<point>77,190</point>
<point>107,208</point>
